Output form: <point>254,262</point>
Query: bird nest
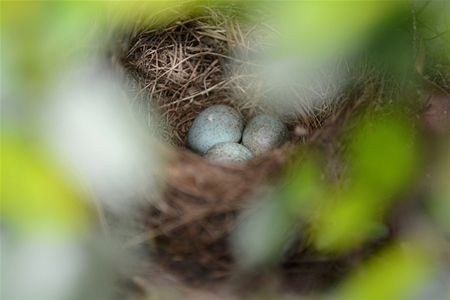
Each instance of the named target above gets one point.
<point>182,69</point>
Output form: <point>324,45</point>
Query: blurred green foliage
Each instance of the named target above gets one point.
<point>383,157</point>
<point>382,153</point>
<point>41,40</point>
<point>35,195</point>
<point>320,30</point>
<point>395,273</point>
<point>305,189</point>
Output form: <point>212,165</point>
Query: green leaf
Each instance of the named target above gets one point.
<point>389,276</point>
<point>323,29</point>
<point>35,196</point>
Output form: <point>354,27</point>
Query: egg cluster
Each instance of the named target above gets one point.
<point>217,131</point>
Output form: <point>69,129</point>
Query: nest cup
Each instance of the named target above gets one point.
<point>182,69</point>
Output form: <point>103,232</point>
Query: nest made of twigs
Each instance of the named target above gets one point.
<point>182,69</point>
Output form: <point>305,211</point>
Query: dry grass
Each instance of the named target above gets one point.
<point>195,63</point>
<point>182,69</point>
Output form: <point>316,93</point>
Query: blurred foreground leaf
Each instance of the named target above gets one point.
<point>322,29</point>
<point>305,189</point>
<point>263,234</point>
<point>383,154</point>
<point>42,39</point>
<point>395,273</point>
<point>34,195</point>
<point>383,158</point>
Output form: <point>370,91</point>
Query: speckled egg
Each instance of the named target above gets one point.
<point>228,153</point>
<point>216,124</point>
<point>263,133</point>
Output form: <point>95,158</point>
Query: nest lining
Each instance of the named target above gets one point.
<point>191,65</point>
<point>183,69</point>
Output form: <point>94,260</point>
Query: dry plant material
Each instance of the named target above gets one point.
<point>184,68</point>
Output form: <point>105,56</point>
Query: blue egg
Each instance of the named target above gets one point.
<point>228,153</point>
<point>263,133</point>
<point>216,124</point>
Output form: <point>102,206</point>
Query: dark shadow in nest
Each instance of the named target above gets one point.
<point>182,69</point>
